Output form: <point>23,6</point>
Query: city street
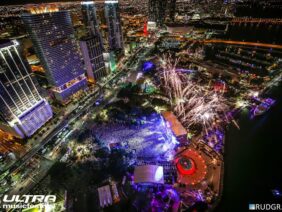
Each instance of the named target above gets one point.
<point>89,107</point>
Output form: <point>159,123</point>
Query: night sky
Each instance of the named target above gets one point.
<point>17,2</point>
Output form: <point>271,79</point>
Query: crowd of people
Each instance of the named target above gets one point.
<point>148,135</point>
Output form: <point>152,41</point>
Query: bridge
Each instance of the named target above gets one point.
<point>232,42</point>
<point>257,20</point>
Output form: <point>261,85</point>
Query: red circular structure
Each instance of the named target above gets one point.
<point>185,166</point>
<point>191,167</point>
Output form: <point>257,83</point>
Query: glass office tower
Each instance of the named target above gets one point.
<point>91,22</point>
<point>92,44</point>
<point>114,25</point>
<point>92,52</point>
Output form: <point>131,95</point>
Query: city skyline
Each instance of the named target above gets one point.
<point>141,105</point>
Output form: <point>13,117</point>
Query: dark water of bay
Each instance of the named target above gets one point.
<point>253,159</point>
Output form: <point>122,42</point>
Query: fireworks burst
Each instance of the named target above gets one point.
<point>194,104</point>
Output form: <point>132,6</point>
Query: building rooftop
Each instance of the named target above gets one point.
<point>175,125</point>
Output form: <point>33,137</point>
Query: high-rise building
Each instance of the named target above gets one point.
<point>90,18</point>
<point>92,52</point>
<point>53,38</point>
<point>114,25</point>
<point>22,108</point>
<point>157,12</point>
<point>92,44</point>
<point>172,9</point>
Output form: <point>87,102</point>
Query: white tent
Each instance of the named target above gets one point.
<point>149,174</point>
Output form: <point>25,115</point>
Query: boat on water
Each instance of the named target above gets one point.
<point>264,106</point>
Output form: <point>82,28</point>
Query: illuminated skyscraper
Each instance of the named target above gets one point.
<point>90,18</point>
<point>114,25</point>
<point>22,109</point>
<point>92,52</point>
<point>53,37</point>
<point>92,45</point>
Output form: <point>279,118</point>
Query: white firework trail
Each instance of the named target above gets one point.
<point>194,104</point>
